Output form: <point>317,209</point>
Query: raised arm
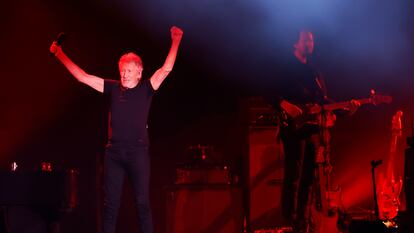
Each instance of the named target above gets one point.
<point>158,77</point>
<point>83,77</point>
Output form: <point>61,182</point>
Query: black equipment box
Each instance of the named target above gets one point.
<point>198,175</point>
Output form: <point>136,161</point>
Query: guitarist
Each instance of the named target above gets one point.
<point>303,86</point>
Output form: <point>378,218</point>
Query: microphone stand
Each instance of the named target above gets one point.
<point>374,164</point>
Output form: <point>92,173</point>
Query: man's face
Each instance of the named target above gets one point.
<point>130,74</point>
<point>305,43</point>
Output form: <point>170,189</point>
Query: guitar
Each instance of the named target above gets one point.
<point>326,201</point>
<point>317,114</point>
<point>389,190</point>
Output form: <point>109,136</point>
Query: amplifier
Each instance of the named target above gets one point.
<point>204,209</point>
<point>214,175</point>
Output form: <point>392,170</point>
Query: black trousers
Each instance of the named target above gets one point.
<point>133,161</point>
<point>300,148</point>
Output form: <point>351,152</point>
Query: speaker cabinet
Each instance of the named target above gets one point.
<point>265,177</point>
<point>409,179</point>
<point>359,226</point>
<point>204,209</point>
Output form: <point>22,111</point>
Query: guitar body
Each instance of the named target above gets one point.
<point>323,223</point>
<point>388,198</point>
<point>389,190</point>
<point>324,219</point>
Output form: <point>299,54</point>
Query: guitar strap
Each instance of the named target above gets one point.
<point>320,81</point>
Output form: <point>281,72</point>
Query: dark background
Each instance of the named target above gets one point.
<point>228,52</point>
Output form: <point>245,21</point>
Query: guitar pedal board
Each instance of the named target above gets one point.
<point>274,230</point>
<point>214,175</point>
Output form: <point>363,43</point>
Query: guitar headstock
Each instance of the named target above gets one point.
<point>396,125</point>
<point>376,99</point>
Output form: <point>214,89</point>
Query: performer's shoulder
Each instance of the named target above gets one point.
<point>109,84</point>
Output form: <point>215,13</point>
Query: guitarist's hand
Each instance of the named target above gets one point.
<point>314,108</point>
<point>330,119</point>
<point>291,109</point>
<point>353,106</point>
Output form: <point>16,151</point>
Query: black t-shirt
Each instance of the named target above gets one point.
<point>129,108</point>
<point>301,84</point>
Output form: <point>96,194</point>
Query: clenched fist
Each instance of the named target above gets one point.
<point>55,48</point>
<point>176,33</point>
